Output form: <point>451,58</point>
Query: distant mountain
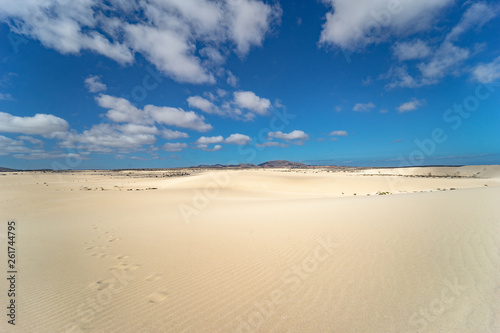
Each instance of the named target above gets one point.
<point>282,164</point>
<point>6,169</point>
<point>269,164</point>
<point>218,166</point>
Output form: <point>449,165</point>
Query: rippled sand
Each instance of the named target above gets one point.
<point>381,250</point>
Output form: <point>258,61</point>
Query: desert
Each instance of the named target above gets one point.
<point>256,250</point>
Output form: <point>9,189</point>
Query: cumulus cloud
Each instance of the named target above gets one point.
<point>339,133</point>
<point>244,105</point>
<point>101,137</point>
<point>249,22</point>
<point>248,100</point>
<point>443,59</point>
<point>272,144</point>
<point>170,52</point>
<point>209,139</point>
<point>122,110</point>
<point>39,155</point>
<point>204,105</point>
<point>177,117</point>
<point>416,49</point>
<point>238,139</point>
<point>293,135</point>
<point>204,147</point>
<point>172,134</point>
<point>180,38</point>
<point>410,106</point>
<point>66,26</point>
<point>174,146</point>
<point>354,24</point>
<point>363,107</point>
<point>138,129</point>
<point>31,139</point>
<point>487,73</point>
<point>43,124</point>
<point>9,146</point>
<point>94,84</point>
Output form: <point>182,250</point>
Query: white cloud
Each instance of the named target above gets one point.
<point>182,38</point>
<point>138,129</point>
<point>177,117</point>
<point>487,73</point>
<point>401,78</point>
<point>122,110</point>
<point>94,84</point>
<point>252,102</point>
<point>66,26</point>
<point>174,146</point>
<point>9,146</point>
<point>410,106</point>
<point>31,139</point>
<point>339,133</point>
<point>446,59</point>
<point>204,105</point>
<point>238,139</point>
<point>39,155</point>
<point>354,24</point>
<point>249,22</point>
<point>293,135</point>
<point>170,52</point>
<point>245,105</point>
<point>363,107</point>
<point>172,135</point>
<point>210,139</point>
<point>272,144</point>
<point>204,147</point>
<point>416,49</point>
<point>232,80</point>
<point>101,137</point>
<point>6,97</point>
<point>476,16</point>
<point>40,123</point>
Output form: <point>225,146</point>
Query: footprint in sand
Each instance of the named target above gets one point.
<point>157,297</point>
<point>155,277</point>
<point>124,256</point>
<point>102,284</point>
<point>90,248</point>
<point>114,239</point>
<point>126,267</point>
<point>121,266</point>
<point>132,267</point>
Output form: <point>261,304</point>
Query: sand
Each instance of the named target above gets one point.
<point>374,250</point>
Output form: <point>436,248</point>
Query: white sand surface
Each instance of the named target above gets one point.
<point>373,250</point>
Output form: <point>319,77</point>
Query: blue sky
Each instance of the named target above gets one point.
<point>124,84</point>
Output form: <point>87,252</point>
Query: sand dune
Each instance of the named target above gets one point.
<point>374,250</point>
